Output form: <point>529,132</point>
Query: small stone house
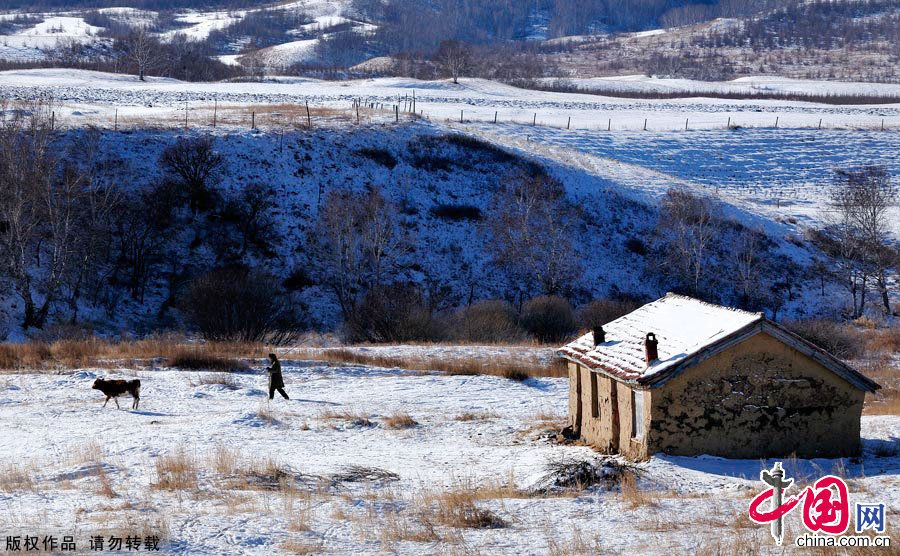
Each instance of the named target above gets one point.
<point>685,377</point>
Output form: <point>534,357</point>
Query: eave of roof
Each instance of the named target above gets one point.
<point>658,379</point>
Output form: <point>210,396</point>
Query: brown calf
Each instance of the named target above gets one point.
<point>115,388</point>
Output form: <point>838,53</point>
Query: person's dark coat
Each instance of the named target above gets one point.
<point>275,379</point>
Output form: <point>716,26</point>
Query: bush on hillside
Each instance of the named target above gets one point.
<point>549,319</point>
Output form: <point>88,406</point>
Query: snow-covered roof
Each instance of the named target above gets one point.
<point>685,328</point>
<point>682,325</point>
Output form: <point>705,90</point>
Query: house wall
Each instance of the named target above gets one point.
<point>607,430</point>
<point>759,398</point>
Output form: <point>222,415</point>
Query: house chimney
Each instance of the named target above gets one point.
<point>599,335</point>
<point>650,351</point>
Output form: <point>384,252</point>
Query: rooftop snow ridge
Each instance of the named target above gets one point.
<point>682,325</point>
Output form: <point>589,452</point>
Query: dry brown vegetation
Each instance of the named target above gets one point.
<point>457,508</point>
<point>352,418</point>
<point>272,117</point>
<point>400,421</point>
<point>16,477</point>
<point>233,356</point>
<point>91,351</point>
<point>477,416</point>
<point>177,471</point>
<point>514,368</point>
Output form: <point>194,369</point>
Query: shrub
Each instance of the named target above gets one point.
<point>838,339</point>
<point>200,360</point>
<point>474,144</point>
<point>394,313</point>
<point>456,213</point>
<point>549,319</point>
<point>238,305</point>
<point>602,311</point>
<point>636,246</point>
<point>380,156</point>
<point>491,321</point>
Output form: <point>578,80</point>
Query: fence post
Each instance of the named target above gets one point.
<point>52,120</point>
<point>776,122</point>
<point>185,116</point>
<point>569,125</point>
<point>495,116</point>
<point>882,124</point>
<point>116,121</point>
<point>534,122</point>
<point>609,125</point>
<point>308,117</point>
<point>357,114</point>
<point>215,110</point>
<point>820,123</point>
<point>253,119</point>
<point>460,116</point>
<point>397,113</point>
<point>645,124</point>
<point>685,124</point>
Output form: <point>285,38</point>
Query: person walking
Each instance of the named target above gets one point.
<point>276,381</point>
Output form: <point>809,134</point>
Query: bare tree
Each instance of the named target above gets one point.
<point>530,236</point>
<point>26,170</point>
<point>862,200</point>
<point>688,229</point>
<point>51,210</point>
<point>196,166</point>
<point>358,245</point>
<point>455,58</point>
<point>144,51</point>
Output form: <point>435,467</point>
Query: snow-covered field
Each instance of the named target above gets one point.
<point>760,85</point>
<point>781,174</point>
<point>70,467</point>
<point>98,95</point>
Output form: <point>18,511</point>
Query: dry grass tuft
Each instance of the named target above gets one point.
<point>176,471</point>
<point>17,477</point>
<point>222,379</point>
<point>104,486</point>
<point>575,545</point>
<point>297,507</point>
<point>266,415</point>
<point>400,421</point>
<point>882,370</point>
<point>470,416</point>
<point>631,493</point>
<point>226,461</point>
<point>351,418</point>
<point>293,546</point>
<point>458,508</point>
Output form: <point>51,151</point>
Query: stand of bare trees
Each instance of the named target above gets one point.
<point>862,201</point>
<point>530,233</point>
<point>51,213</point>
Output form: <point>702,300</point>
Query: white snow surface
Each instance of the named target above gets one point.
<point>55,30</point>
<point>54,426</point>
<point>760,84</point>
<point>682,326</point>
